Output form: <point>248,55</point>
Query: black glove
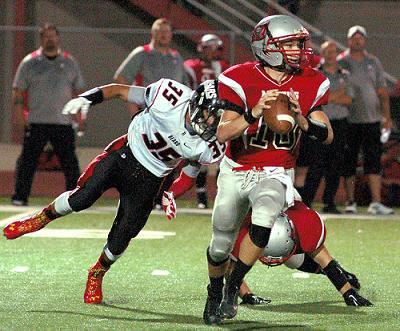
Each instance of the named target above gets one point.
<point>352,298</point>
<point>251,299</point>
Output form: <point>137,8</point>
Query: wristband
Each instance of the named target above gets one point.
<point>249,118</point>
<point>317,130</point>
<point>95,95</point>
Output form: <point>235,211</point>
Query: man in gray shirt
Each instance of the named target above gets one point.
<point>49,77</point>
<point>148,63</point>
<point>369,113</point>
<point>330,158</point>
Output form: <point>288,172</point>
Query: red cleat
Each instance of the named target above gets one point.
<point>93,291</point>
<point>30,224</point>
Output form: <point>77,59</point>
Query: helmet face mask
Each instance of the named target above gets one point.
<point>282,243</point>
<point>205,110</point>
<point>279,41</point>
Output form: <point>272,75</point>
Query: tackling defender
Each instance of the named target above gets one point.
<point>176,123</point>
<point>297,240</point>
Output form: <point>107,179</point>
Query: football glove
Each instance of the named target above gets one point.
<point>75,105</point>
<point>169,205</point>
<point>352,298</point>
<point>251,299</point>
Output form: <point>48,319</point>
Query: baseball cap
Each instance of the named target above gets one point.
<point>356,28</point>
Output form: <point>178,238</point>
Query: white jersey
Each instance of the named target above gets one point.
<point>158,136</point>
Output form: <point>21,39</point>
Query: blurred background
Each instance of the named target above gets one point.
<point>101,33</point>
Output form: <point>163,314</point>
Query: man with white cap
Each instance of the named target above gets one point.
<point>369,113</point>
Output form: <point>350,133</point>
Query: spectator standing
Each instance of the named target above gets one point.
<point>208,65</point>
<point>149,63</point>
<point>369,112</point>
<point>50,77</point>
<point>329,163</point>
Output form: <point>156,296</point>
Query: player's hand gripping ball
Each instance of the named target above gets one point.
<point>280,118</point>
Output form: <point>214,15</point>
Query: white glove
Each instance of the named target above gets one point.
<point>73,106</point>
<point>169,205</point>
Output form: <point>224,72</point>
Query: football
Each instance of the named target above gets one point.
<point>280,117</point>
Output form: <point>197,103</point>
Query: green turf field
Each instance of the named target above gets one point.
<point>42,279</point>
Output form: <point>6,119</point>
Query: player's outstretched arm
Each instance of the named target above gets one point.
<point>133,94</point>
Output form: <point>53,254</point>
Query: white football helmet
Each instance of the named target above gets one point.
<point>210,40</point>
<point>266,41</point>
<point>282,242</point>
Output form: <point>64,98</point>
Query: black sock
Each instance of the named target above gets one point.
<point>50,213</point>
<point>335,275</point>
<point>104,261</point>
<point>309,265</point>
<point>216,284</point>
<point>238,273</point>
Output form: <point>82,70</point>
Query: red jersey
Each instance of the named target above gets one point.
<point>259,146</point>
<point>308,225</point>
<point>199,70</point>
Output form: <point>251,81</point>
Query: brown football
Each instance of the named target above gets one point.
<point>280,117</point>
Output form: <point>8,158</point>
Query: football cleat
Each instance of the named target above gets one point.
<point>30,224</point>
<point>352,298</point>
<point>229,304</point>
<point>210,314</point>
<point>251,299</point>
<point>93,292</point>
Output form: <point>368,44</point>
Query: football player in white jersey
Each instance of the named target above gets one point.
<point>176,123</point>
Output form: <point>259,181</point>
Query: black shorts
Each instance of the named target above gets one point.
<point>367,138</point>
<point>308,151</point>
<point>137,186</point>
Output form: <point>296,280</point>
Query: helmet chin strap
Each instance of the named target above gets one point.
<point>188,125</point>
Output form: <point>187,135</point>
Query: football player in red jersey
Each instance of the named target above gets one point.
<point>208,66</point>
<point>258,168</point>
<point>297,240</point>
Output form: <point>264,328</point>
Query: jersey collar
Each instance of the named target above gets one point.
<point>261,70</point>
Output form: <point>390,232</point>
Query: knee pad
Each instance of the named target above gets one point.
<point>212,262</point>
<point>259,235</point>
<point>220,246</point>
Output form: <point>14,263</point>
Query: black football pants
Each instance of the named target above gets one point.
<point>118,168</point>
<point>62,138</point>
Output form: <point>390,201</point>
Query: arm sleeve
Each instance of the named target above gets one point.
<point>132,65</point>
<point>185,181</point>
<point>136,94</point>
